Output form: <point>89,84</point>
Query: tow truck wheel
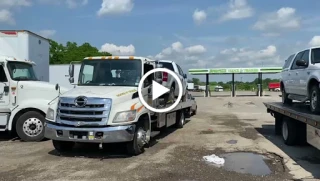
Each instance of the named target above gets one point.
<point>136,146</point>
<point>30,126</point>
<point>314,100</point>
<point>180,119</point>
<point>63,146</point>
<point>289,131</point>
<point>285,99</point>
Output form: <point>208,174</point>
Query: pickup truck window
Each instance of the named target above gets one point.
<point>315,55</point>
<point>3,77</point>
<point>288,62</point>
<point>122,72</point>
<point>298,57</point>
<point>20,71</point>
<point>167,65</point>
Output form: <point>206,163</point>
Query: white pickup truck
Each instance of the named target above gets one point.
<point>105,106</point>
<point>23,99</point>
<point>300,78</point>
<point>169,82</point>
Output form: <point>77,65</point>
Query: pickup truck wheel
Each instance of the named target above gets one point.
<point>136,146</point>
<point>195,111</point>
<point>289,131</point>
<point>180,119</point>
<point>30,126</point>
<point>63,146</point>
<point>314,100</point>
<point>285,99</point>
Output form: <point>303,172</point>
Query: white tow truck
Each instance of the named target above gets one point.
<point>105,106</point>
<point>23,98</point>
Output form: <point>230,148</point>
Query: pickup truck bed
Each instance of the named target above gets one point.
<point>298,111</point>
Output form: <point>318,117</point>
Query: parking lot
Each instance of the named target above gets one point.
<point>222,125</point>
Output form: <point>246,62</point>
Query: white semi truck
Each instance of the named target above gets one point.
<point>23,97</point>
<point>105,106</point>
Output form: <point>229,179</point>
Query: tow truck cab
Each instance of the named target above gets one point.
<point>105,106</point>
<point>23,98</point>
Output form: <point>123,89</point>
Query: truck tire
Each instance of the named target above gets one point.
<point>289,131</point>
<point>137,145</point>
<point>63,146</point>
<point>30,126</point>
<point>314,99</point>
<point>180,119</point>
<point>285,99</point>
<point>195,111</point>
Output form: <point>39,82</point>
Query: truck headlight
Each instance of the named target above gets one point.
<point>125,116</point>
<point>50,114</point>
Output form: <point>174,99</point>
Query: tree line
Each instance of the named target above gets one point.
<point>239,85</point>
<point>64,54</point>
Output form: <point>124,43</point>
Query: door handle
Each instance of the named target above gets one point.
<point>289,74</point>
<point>297,73</point>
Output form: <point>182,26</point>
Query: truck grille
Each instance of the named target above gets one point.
<point>93,110</point>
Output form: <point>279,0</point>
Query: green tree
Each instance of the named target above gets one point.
<point>60,54</point>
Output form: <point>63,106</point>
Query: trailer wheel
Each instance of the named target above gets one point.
<point>136,146</point>
<point>30,126</point>
<point>285,99</point>
<point>63,146</point>
<point>289,131</point>
<point>314,99</point>
<point>180,119</point>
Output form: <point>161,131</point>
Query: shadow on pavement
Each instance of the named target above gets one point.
<point>109,151</point>
<point>6,136</point>
<point>306,156</point>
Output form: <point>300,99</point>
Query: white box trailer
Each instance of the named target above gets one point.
<point>26,45</point>
<point>190,86</point>
<point>60,74</point>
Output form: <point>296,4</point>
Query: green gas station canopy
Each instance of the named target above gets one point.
<point>264,70</point>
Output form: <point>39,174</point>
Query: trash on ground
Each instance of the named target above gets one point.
<point>214,159</point>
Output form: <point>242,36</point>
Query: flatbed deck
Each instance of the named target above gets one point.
<point>298,111</point>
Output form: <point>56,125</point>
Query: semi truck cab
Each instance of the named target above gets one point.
<point>23,98</point>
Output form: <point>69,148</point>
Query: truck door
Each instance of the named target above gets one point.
<point>293,75</point>
<point>147,85</point>
<point>4,96</point>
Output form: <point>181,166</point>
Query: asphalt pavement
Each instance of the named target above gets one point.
<point>236,129</point>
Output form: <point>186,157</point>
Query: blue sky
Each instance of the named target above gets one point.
<point>196,34</point>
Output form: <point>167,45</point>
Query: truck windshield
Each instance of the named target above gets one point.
<point>20,71</point>
<point>121,72</point>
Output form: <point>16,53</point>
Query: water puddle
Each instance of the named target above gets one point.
<point>247,163</point>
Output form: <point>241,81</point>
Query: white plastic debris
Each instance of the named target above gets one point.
<point>214,159</point>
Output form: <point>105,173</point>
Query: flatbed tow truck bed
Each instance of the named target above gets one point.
<point>295,123</point>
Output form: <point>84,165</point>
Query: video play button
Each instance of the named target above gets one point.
<point>149,92</point>
<point>158,90</point>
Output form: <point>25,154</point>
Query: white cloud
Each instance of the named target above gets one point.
<point>238,9</point>
<point>14,3</point>
<point>315,41</point>
<point>249,57</point>
<point>70,3</point>
<point>177,51</point>
<point>75,3</point>
<point>115,7</point>
<point>118,50</point>
<point>47,33</point>
<point>6,9</point>
<point>6,17</point>
<point>199,16</point>
<point>276,22</point>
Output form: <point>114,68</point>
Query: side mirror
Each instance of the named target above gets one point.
<point>6,89</point>
<point>185,76</point>
<point>71,80</point>
<point>57,87</point>
<point>192,98</point>
<point>302,63</point>
<point>71,70</point>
